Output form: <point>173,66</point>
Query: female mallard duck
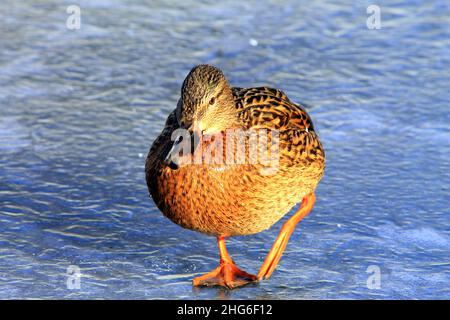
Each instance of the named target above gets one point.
<point>229,199</point>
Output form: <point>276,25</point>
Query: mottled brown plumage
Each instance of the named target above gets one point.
<point>229,200</point>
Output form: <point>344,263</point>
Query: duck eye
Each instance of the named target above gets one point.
<point>212,101</point>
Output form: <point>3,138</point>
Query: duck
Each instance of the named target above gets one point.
<point>209,192</point>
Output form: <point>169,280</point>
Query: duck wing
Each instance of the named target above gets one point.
<point>269,108</point>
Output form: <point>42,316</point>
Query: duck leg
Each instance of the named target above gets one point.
<point>280,243</point>
<point>227,274</point>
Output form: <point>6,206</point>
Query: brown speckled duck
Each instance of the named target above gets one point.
<point>223,199</point>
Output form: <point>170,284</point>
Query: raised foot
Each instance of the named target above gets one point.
<point>226,275</point>
<point>280,244</point>
<point>273,257</point>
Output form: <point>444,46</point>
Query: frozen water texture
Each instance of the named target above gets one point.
<point>79,110</point>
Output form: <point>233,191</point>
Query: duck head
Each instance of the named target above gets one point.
<point>206,105</point>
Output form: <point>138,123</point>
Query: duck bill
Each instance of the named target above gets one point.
<point>185,148</point>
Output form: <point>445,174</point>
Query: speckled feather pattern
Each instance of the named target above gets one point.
<point>238,199</point>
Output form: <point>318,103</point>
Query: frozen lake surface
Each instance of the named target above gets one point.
<point>80,109</point>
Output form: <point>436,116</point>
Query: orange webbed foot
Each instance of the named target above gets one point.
<point>227,274</point>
